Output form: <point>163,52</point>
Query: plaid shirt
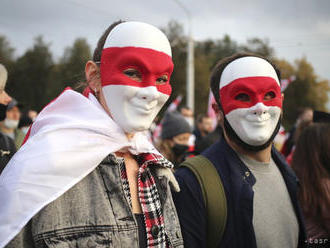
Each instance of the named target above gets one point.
<point>149,197</point>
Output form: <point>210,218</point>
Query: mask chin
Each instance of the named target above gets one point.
<point>130,106</point>
<point>235,138</point>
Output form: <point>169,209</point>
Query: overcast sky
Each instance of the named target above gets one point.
<point>295,28</point>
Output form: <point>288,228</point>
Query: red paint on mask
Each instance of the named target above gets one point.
<point>255,87</point>
<point>150,63</point>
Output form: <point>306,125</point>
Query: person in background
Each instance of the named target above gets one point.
<point>203,126</point>
<point>32,114</point>
<point>280,138</point>
<point>87,176</point>
<point>208,140</point>
<point>187,113</point>
<point>259,188</point>
<point>298,130</point>
<point>311,163</point>
<point>304,114</point>
<point>24,123</point>
<point>7,146</point>
<point>174,143</point>
<point>9,126</point>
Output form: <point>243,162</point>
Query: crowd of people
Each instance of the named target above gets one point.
<point>93,169</point>
<point>14,122</point>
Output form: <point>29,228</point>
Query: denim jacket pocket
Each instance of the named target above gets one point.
<point>84,237</point>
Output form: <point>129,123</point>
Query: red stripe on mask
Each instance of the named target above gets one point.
<point>149,63</point>
<point>256,88</point>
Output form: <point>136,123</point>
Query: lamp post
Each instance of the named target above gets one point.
<point>190,84</point>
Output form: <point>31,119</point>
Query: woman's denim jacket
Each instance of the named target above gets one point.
<point>96,213</point>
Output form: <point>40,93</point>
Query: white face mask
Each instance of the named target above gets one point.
<point>10,124</point>
<point>136,66</point>
<point>254,125</point>
<point>133,108</point>
<point>251,99</point>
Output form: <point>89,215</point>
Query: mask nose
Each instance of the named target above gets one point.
<point>259,109</point>
<point>149,93</point>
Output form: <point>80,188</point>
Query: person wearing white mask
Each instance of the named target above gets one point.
<point>86,175</point>
<point>258,206</point>
<point>7,146</point>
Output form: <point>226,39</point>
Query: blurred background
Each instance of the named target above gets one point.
<point>45,43</point>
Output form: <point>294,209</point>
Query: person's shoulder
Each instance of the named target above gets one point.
<point>187,180</point>
<point>7,142</point>
<point>184,174</point>
<point>216,151</point>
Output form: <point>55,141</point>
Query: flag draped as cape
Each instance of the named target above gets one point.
<point>69,138</point>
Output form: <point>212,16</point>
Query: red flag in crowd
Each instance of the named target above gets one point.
<point>210,111</point>
<point>172,107</point>
<point>285,82</point>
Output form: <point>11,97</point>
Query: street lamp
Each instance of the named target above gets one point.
<point>190,62</point>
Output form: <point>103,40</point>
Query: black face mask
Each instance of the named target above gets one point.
<point>3,110</point>
<point>179,150</point>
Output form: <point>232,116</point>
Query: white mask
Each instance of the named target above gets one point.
<point>136,66</point>
<point>10,124</point>
<point>254,125</point>
<point>251,99</point>
<point>134,108</point>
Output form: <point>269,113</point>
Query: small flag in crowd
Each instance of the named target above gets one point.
<point>172,107</point>
<point>285,82</point>
<point>280,138</point>
<point>210,112</point>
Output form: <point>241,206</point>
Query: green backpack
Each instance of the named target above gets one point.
<point>214,197</point>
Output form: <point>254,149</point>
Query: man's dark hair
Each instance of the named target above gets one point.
<point>221,65</point>
<point>201,117</point>
<point>100,44</point>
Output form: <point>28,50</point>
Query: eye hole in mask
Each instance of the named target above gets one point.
<point>162,79</point>
<point>133,74</point>
<point>269,95</point>
<point>243,97</point>
<point>136,75</point>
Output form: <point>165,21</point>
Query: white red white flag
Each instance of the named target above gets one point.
<point>285,82</point>
<point>174,105</point>
<point>210,112</point>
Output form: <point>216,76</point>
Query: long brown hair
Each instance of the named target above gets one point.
<point>311,161</point>
<point>165,148</point>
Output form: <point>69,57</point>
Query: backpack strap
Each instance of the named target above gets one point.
<point>214,197</point>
